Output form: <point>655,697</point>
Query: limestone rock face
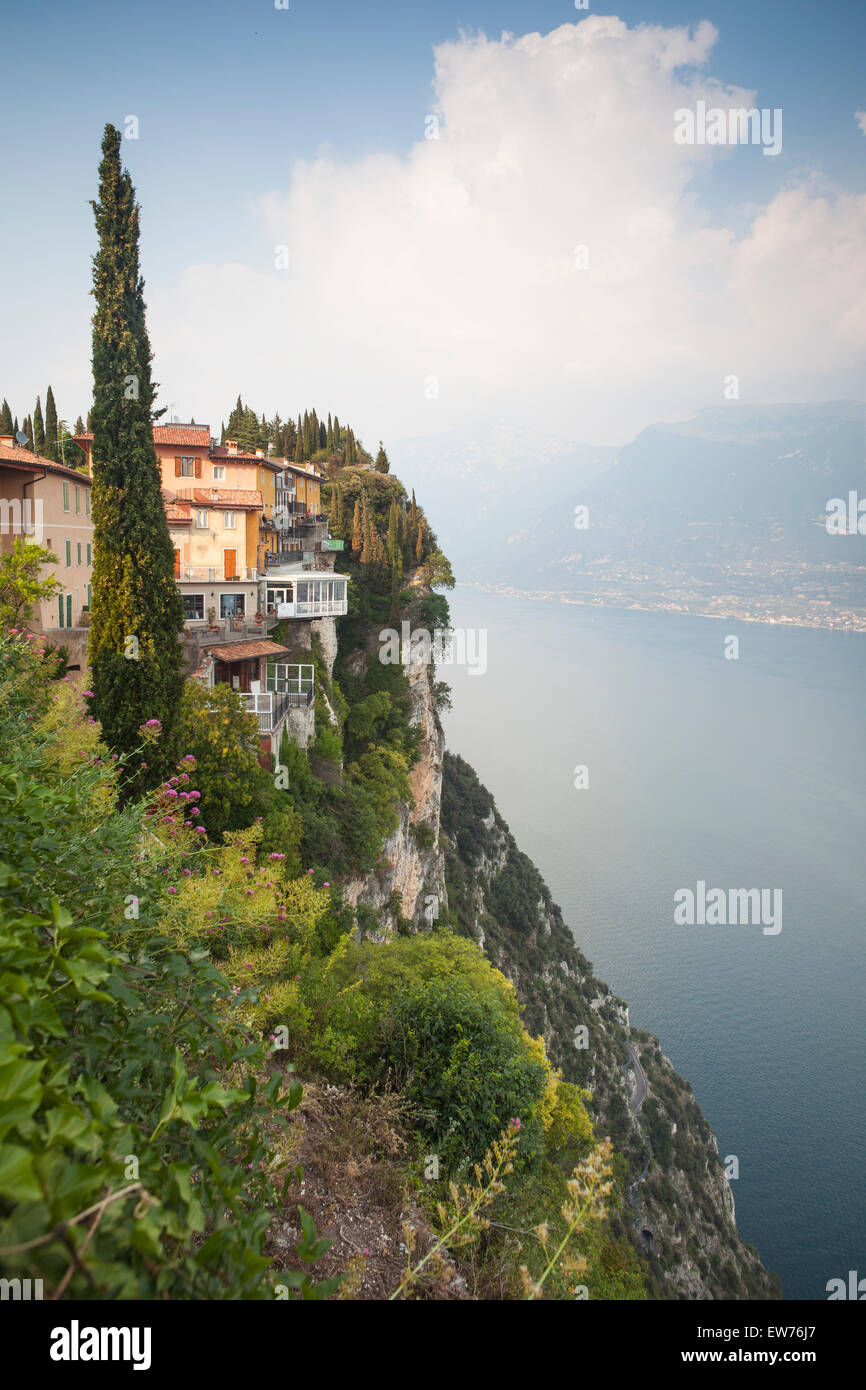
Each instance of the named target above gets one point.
<point>410,866</point>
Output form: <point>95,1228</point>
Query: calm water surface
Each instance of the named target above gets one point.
<point>747,773</point>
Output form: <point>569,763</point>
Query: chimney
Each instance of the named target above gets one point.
<point>260,453</point>
<point>232,446</point>
<point>8,440</point>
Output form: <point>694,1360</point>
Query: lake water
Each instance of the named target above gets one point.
<point>746,773</point>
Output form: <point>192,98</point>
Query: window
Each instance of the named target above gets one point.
<point>79,552</point>
<point>88,596</point>
<point>187,468</point>
<point>193,607</point>
<point>59,610</point>
<point>232,606</point>
<point>69,610</point>
<point>229,521</point>
<point>68,549</point>
<point>77,498</point>
<point>65,495</point>
<point>87,501</point>
<point>201,520</point>
<point>219,472</point>
<point>263,475</point>
<point>88,553</point>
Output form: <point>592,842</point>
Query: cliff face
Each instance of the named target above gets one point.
<point>410,877</point>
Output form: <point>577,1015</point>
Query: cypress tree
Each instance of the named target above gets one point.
<point>6,419</point>
<point>50,427</point>
<point>382,464</point>
<point>38,428</point>
<point>28,430</point>
<point>79,426</point>
<point>136,613</point>
<point>357,528</point>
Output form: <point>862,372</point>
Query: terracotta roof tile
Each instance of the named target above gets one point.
<point>245,651</point>
<point>191,436</point>
<point>11,453</point>
<point>232,498</point>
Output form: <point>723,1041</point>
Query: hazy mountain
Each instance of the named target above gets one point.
<point>730,503</point>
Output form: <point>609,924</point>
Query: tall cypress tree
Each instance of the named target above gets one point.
<point>28,430</point>
<point>357,528</point>
<point>51,451</point>
<point>38,428</point>
<point>136,609</point>
<point>6,421</point>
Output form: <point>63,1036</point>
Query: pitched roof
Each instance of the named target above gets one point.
<point>235,499</point>
<point>192,436</point>
<point>244,651</point>
<point>178,512</point>
<point>24,458</point>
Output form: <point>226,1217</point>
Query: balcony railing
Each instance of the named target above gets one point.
<point>312,608</point>
<point>204,574</point>
<point>269,708</point>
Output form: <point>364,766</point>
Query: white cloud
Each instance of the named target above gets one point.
<point>860,118</point>
<point>459,261</point>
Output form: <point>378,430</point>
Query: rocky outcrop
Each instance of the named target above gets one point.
<point>409,881</point>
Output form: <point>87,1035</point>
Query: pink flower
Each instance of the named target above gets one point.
<point>514,1122</point>
<point>88,694</point>
<point>172,890</point>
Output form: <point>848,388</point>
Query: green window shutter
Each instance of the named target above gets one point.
<point>65,495</point>
<point>69,610</point>
<point>69,552</point>
<point>88,553</point>
<point>79,552</point>
<point>59,610</point>
<point>77,498</point>
<point>88,590</point>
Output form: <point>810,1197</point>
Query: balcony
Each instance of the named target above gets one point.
<point>269,708</point>
<point>313,608</point>
<point>202,574</point>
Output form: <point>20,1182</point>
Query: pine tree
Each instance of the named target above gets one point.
<point>136,609</point>
<point>50,427</point>
<point>357,528</point>
<point>38,429</point>
<point>6,419</point>
<point>79,426</point>
<point>382,465</point>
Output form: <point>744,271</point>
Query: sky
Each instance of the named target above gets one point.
<point>312,237</point>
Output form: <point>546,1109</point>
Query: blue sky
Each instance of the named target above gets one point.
<point>230,95</point>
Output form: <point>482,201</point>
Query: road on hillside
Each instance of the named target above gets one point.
<point>640,1089</point>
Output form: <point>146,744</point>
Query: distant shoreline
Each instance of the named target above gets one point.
<point>546,596</point>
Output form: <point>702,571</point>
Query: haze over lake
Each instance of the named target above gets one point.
<point>747,773</point>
